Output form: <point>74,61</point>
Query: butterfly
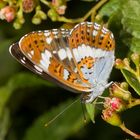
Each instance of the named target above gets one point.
<point>79,60</point>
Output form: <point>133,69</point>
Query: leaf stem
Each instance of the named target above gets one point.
<point>133,102</point>
<point>123,127</point>
<point>92,11</point>
<point>138,72</point>
<point>47,3</point>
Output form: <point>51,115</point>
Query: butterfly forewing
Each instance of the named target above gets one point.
<point>38,48</point>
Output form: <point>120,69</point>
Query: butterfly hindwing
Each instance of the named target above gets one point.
<point>90,43</point>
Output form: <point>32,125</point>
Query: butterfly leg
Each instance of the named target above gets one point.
<point>109,84</point>
<point>91,97</point>
<point>106,86</point>
<point>97,92</point>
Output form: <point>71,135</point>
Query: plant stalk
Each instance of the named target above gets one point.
<point>123,127</point>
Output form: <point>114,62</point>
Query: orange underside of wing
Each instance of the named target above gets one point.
<point>36,42</point>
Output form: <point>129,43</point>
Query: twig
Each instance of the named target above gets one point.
<point>92,12</point>
<point>123,127</point>
<point>133,102</point>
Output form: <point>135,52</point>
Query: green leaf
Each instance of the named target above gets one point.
<point>135,45</point>
<point>5,93</point>
<point>91,110</point>
<point>4,123</point>
<point>132,80</point>
<point>23,80</point>
<point>131,17</point>
<point>130,21</point>
<point>6,60</point>
<point>110,8</point>
<point>68,123</point>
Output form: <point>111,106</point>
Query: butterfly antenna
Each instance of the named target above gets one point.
<point>53,119</point>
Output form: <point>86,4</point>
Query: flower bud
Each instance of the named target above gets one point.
<point>21,19</point>
<point>119,64</point>
<point>124,85</point>
<point>126,62</point>
<point>52,14</point>
<point>111,117</point>
<point>135,58</point>
<point>36,20</point>
<point>39,15</point>
<point>28,5</point>
<point>8,13</point>
<point>60,6</point>
<point>107,113</point>
<point>42,15</point>
<point>61,10</point>
<point>114,103</point>
<point>17,24</point>
<point>117,91</point>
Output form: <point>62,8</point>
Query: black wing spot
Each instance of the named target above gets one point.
<point>82,32</point>
<point>35,41</point>
<point>42,41</point>
<point>88,33</point>
<point>93,40</point>
<point>30,45</point>
<point>101,37</point>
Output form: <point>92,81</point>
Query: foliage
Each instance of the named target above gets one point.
<point>67,126</point>
<point>27,102</point>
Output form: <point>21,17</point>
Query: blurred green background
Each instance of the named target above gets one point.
<point>27,101</point>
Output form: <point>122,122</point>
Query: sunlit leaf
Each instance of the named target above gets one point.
<point>135,45</point>
<point>132,80</point>
<point>130,21</point>
<point>110,8</point>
